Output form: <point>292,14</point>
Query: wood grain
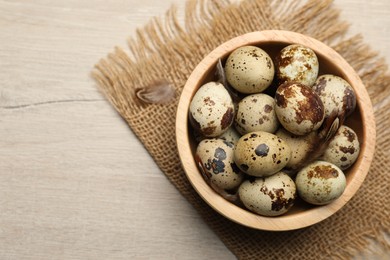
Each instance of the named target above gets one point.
<point>71,172</point>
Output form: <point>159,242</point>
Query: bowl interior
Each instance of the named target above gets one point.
<point>301,214</point>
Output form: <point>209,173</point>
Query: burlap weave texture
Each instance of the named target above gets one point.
<point>164,49</point>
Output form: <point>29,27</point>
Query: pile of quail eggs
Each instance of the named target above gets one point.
<point>261,130</point>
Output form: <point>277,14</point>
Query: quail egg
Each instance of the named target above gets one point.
<point>249,69</point>
<point>298,108</point>
<point>231,135</point>
<point>343,149</point>
<point>335,93</point>
<point>261,154</point>
<point>214,158</point>
<point>320,183</point>
<point>211,110</point>
<point>300,145</point>
<point>297,63</point>
<point>270,196</point>
<point>256,112</point>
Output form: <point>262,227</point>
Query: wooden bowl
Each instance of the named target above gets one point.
<point>362,121</point>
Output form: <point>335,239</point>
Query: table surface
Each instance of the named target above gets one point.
<point>75,183</point>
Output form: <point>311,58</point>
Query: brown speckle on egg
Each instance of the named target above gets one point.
<point>245,167</point>
<point>281,202</point>
<point>249,69</point>
<point>208,131</point>
<point>256,113</point>
<point>298,108</point>
<point>297,63</point>
<point>336,94</point>
<point>227,118</point>
<point>349,101</point>
<point>268,108</point>
<point>270,196</point>
<point>320,183</point>
<point>349,135</point>
<point>323,171</point>
<point>343,150</point>
<point>211,110</point>
<point>349,149</point>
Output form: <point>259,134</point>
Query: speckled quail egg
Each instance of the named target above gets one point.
<point>214,158</point>
<point>256,112</point>
<point>211,110</point>
<point>231,135</point>
<point>297,63</point>
<point>249,69</point>
<point>300,146</point>
<point>298,108</point>
<point>335,93</point>
<point>261,154</point>
<point>320,183</point>
<point>343,149</point>
<point>270,196</point>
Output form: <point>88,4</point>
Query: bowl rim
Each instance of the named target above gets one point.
<point>245,217</point>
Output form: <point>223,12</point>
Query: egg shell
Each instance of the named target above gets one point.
<point>211,110</point>
<point>298,108</point>
<point>214,158</point>
<point>230,135</point>
<point>256,112</point>
<point>270,196</point>
<point>300,146</point>
<point>261,154</point>
<point>343,149</point>
<point>249,69</point>
<point>335,93</point>
<point>297,63</point>
<point>320,183</point>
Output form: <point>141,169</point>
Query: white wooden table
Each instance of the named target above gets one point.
<point>75,183</point>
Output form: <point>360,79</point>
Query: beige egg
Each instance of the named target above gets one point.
<point>231,135</point>
<point>343,149</point>
<point>261,154</point>
<point>256,112</point>
<point>211,110</point>
<point>270,196</point>
<point>336,94</point>
<point>214,158</point>
<point>300,146</point>
<point>249,69</point>
<point>297,63</point>
<point>298,108</point>
<point>320,183</point>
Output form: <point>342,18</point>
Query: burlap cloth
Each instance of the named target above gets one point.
<point>164,49</point>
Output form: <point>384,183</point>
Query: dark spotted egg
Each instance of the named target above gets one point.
<point>211,110</point>
<point>335,93</point>
<point>270,196</point>
<point>320,183</point>
<point>249,69</point>
<point>215,160</point>
<point>298,108</point>
<point>256,112</point>
<point>344,148</point>
<point>261,154</point>
<point>297,63</point>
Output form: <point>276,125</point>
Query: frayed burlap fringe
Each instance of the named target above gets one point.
<point>165,49</point>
